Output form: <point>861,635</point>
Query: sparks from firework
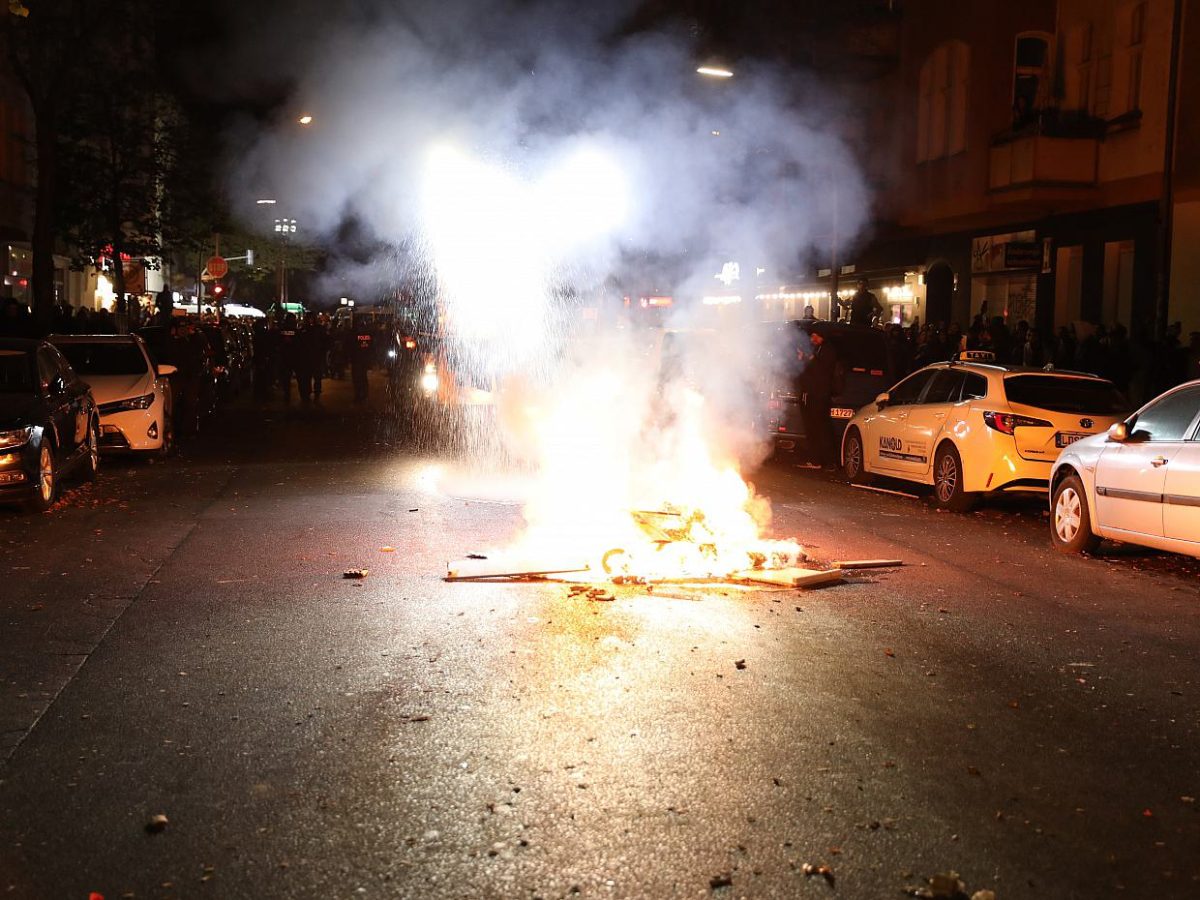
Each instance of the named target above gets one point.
<point>610,440</point>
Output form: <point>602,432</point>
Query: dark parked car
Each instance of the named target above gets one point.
<point>867,368</point>
<point>49,425</point>
<point>194,383</point>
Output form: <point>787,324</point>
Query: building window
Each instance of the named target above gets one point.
<point>1102,86</point>
<point>1077,71</point>
<point>1137,40</point>
<point>942,102</point>
<point>1031,58</point>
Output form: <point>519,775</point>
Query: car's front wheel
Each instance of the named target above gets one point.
<point>854,459</point>
<point>46,488</point>
<point>1071,525</point>
<point>948,490</point>
<point>168,440</point>
<point>91,459</point>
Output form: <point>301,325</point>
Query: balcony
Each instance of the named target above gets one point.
<point>1046,153</point>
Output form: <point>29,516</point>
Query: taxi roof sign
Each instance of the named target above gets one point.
<point>984,356</point>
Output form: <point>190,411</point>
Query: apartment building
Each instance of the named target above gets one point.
<point>1027,178</point>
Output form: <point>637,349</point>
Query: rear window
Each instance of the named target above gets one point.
<point>1068,395</point>
<point>975,387</point>
<point>104,359</point>
<point>16,372</point>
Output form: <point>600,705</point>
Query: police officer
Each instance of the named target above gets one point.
<point>817,386</point>
<point>362,349</point>
<point>288,350</point>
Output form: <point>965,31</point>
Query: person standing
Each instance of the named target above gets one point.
<point>865,307</point>
<point>306,338</point>
<point>266,358</point>
<point>164,305</point>
<point>361,351</point>
<point>186,356</point>
<point>818,383</point>
<point>288,353</point>
<point>319,350</point>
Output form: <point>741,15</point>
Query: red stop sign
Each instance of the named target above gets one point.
<point>217,267</point>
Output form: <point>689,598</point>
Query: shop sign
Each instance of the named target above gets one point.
<point>991,252</point>
<point>1022,255</point>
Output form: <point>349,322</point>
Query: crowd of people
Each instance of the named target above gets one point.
<point>284,353</point>
<point>1139,367</point>
<point>306,351</point>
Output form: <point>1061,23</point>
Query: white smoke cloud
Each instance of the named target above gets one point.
<point>511,83</point>
<point>457,132</point>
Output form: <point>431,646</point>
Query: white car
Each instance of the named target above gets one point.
<point>970,427</point>
<point>1139,483</point>
<point>132,393</point>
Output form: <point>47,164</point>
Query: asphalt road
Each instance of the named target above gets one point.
<point>178,640</point>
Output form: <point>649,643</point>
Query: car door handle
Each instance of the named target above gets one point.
<point>1158,461</point>
<point>939,415</point>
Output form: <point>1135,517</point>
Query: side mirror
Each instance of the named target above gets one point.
<point>165,369</point>
<point>1119,433</point>
<point>883,399</point>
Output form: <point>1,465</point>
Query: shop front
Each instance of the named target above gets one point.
<point>1004,275</point>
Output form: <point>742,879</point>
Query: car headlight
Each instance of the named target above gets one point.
<point>16,437</point>
<point>143,402</point>
<point>391,354</point>
<point>429,381</point>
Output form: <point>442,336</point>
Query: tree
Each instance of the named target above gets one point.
<point>115,151</point>
<point>45,42</point>
<point>260,284</point>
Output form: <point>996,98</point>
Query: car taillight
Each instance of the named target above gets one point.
<point>1007,423</point>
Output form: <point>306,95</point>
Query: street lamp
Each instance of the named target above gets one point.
<point>265,202</point>
<point>715,71</point>
<point>305,119</point>
<point>284,228</point>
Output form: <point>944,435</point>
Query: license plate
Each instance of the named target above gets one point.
<point>839,412</point>
<point>1067,438</point>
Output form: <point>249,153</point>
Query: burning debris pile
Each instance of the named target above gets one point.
<point>677,547</point>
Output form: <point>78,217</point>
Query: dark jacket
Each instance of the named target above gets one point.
<point>819,376</point>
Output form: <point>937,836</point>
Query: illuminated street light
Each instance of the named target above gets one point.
<point>265,202</point>
<point>715,71</point>
<point>305,119</point>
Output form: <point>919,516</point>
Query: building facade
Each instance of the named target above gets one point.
<point>1030,143</point>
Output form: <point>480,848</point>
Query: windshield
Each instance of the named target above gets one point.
<point>104,359</point>
<point>1068,395</point>
<point>16,372</point>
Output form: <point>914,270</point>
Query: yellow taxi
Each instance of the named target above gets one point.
<point>971,426</point>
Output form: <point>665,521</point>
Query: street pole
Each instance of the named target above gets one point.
<point>217,252</point>
<point>835,312</point>
<point>1167,209</point>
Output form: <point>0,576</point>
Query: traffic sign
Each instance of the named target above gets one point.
<point>217,267</point>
